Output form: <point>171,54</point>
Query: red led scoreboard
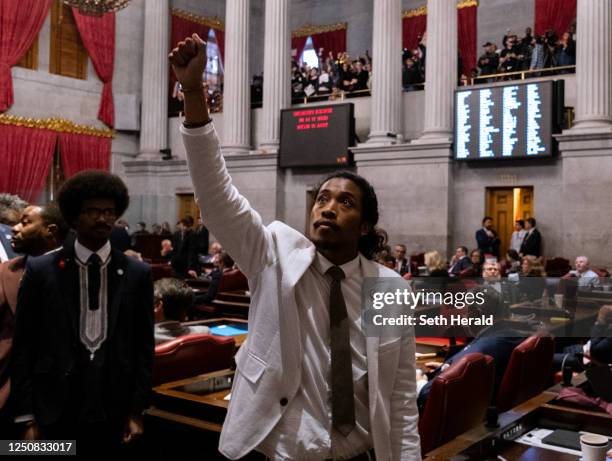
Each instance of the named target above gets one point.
<point>317,136</point>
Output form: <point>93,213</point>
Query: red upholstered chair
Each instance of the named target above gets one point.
<point>528,372</point>
<point>601,272</point>
<point>416,259</point>
<point>557,267</point>
<point>191,355</point>
<point>457,401</point>
<point>233,280</point>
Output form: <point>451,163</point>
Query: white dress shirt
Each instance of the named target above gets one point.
<point>517,239</point>
<point>305,430</point>
<point>586,279</point>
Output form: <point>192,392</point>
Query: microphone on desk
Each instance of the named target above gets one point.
<point>492,417</point>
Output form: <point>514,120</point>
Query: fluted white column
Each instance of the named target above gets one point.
<point>594,65</point>
<point>387,71</point>
<point>277,71</point>
<point>154,109</point>
<point>440,70</point>
<point>236,86</point>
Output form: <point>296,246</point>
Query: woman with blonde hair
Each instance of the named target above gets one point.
<point>531,266</point>
<point>436,264</point>
<point>532,282</point>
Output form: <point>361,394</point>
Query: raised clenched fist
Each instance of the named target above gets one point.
<point>188,60</point>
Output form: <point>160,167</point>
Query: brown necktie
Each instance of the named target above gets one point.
<point>343,400</point>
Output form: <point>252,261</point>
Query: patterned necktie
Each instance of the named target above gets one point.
<point>343,400</point>
<point>93,281</point>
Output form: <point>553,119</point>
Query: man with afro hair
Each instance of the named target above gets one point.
<point>83,347</point>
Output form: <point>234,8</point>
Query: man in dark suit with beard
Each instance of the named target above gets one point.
<point>487,239</point>
<point>40,229</point>
<point>83,347</point>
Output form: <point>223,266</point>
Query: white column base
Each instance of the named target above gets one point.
<point>235,150</point>
<point>269,147</point>
<point>434,137</point>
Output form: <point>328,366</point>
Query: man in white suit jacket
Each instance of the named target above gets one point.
<point>280,398</point>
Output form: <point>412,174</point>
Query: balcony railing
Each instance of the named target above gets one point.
<point>481,79</point>
<point>522,74</point>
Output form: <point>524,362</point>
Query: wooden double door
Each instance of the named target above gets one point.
<point>505,205</point>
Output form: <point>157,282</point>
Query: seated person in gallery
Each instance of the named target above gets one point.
<point>223,263</point>
<point>167,250</point>
<point>587,278</point>
<point>173,298</point>
<point>460,262</point>
<point>532,281</point>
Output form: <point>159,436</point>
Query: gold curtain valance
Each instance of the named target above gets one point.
<point>210,21</point>
<point>467,3</point>
<point>422,10</point>
<point>310,29</point>
<point>55,124</point>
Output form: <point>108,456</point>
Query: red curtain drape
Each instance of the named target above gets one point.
<point>334,41</point>
<point>98,35</point>
<point>467,31</point>
<point>84,152</point>
<point>298,44</point>
<point>181,29</point>
<point>555,15</point>
<point>220,43</point>
<point>413,28</point>
<point>20,22</point>
<point>25,159</point>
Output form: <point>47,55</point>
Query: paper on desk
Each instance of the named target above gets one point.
<point>228,396</point>
<point>535,436</point>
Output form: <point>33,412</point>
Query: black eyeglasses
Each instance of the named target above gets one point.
<point>95,213</point>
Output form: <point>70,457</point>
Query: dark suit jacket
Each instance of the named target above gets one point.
<point>601,343</point>
<point>120,239</point>
<point>462,264</point>
<point>5,240</point>
<point>10,276</point>
<point>185,257</point>
<point>213,288</point>
<point>50,365</point>
<point>487,244</point>
<point>405,266</point>
<point>202,240</point>
<point>532,244</point>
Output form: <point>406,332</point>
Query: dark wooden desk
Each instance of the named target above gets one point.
<point>234,296</point>
<point>182,423</point>
<point>542,410</point>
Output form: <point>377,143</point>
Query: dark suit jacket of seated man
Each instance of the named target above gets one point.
<point>83,348</point>
<point>280,401</point>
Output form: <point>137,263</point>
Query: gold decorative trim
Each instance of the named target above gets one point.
<point>309,29</point>
<point>60,125</point>
<point>210,21</point>
<point>422,10</point>
<point>467,3</point>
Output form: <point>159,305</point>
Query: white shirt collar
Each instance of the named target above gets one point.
<point>322,264</point>
<point>83,253</point>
